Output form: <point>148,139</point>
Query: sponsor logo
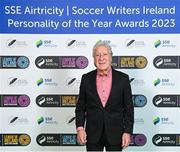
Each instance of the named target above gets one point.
<point>57,140</point>
<point>47,120</point>
<point>74,62</point>
<point>136,82</point>
<point>139,121</point>
<point>70,120</point>
<point>158,139</point>
<point>156,120</point>
<point>129,62</point>
<point>11,43</point>
<point>132,43</point>
<point>157,82</point>
<point>163,82</point>
<point>12,82</point>
<point>138,140</point>
<point>39,43</point>
<point>57,100</point>
<point>41,100</point>
<point>46,44</point>
<point>10,140</point>
<point>157,43</point>
<point>167,62</point>
<point>14,120</point>
<point>40,120</point>
<point>69,100</point>
<point>73,82</point>
<point>39,82</point>
<point>72,43</point>
<point>61,62</point>
<point>46,81</point>
<point>166,140</point>
<point>164,44</point>
<point>162,121</point>
<point>45,62</point>
<point>68,139</point>
<point>24,140</point>
<point>48,140</point>
<point>23,62</point>
<point>16,139</point>
<point>166,101</point>
<point>139,100</point>
<point>48,101</point>
<point>14,62</point>
<point>15,100</point>
<point>41,140</point>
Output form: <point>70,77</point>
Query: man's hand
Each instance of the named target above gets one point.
<point>81,136</point>
<point>126,139</point>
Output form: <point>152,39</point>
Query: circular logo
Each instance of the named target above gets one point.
<point>23,62</point>
<point>140,101</point>
<point>140,140</point>
<point>24,140</point>
<point>23,101</point>
<point>140,62</point>
<point>82,62</point>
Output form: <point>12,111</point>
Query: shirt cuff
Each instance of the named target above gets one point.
<point>79,128</point>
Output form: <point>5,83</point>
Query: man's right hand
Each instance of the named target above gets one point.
<point>81,136</point>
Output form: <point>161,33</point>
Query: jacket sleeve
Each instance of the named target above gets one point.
<point>81,105</point>
<point>128,111</point>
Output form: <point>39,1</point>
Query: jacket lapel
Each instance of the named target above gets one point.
<point>94,88</point>
<point>112,87</point>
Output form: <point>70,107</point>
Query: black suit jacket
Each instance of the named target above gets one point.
<point>117,115</point>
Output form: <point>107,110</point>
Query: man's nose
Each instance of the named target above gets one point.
<point>101,56</point>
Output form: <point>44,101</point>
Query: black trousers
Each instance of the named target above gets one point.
<point>103,142</point>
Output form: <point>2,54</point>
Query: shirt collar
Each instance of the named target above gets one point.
<point>108,73</point>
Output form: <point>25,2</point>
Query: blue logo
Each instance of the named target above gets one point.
<point>39,43</point>
<point>156,120</point>
<point>23,62</point>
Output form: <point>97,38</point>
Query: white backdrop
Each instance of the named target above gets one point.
<point>34,120</point>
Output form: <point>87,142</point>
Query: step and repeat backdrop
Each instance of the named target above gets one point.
<point>45,47</point>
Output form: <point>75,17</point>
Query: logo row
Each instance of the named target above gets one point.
<point>81,62</point>
<point>71,140</point>
<point>74,43</point>
<point>71,100</point>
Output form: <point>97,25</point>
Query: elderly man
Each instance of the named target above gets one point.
<point>104,111</point>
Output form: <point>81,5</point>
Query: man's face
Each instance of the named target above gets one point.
<point>102,58</point>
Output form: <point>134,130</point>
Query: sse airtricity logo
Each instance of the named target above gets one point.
<point>165,43</point>
<point>156,82</point>
<point>39,82</point>
<point>39,43</point>
<point>157,43</point>
<point>46,82</point>
<point>156,120</point>
<point>40,120</point>
<point>165,82</point>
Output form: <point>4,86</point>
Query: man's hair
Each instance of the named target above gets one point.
<point>102,43</point>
